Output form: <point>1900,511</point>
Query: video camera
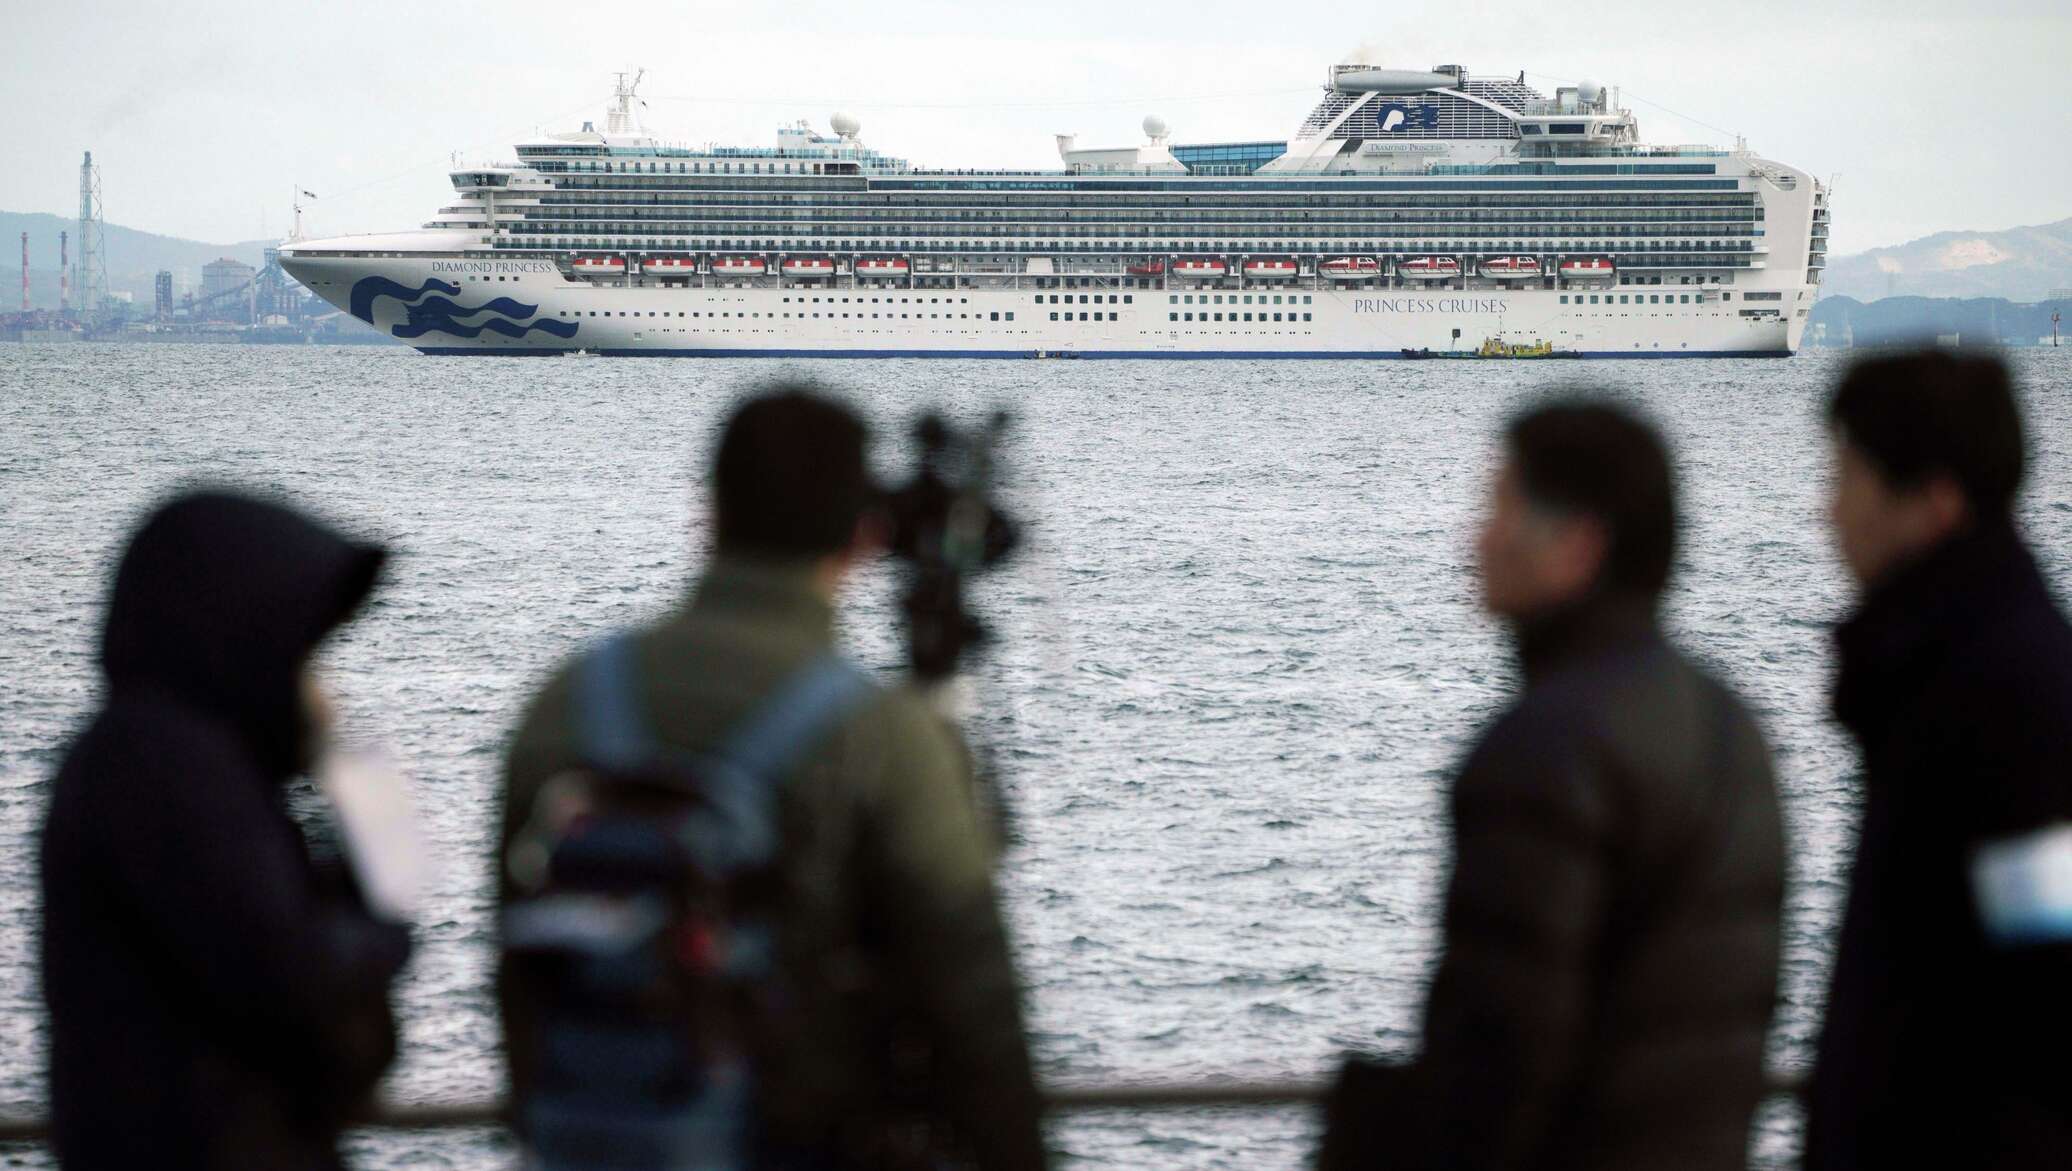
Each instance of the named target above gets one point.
<point>946,527</point>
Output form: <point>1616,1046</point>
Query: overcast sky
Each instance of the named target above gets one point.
<point>204,115</point>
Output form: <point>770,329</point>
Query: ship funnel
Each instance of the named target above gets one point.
<point>1362,80</point>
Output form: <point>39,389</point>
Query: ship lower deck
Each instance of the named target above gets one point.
<point>518,307</point>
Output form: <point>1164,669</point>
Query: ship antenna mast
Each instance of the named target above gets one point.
<point>621,121</point>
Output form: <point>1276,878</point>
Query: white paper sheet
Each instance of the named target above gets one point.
<point>382,840</point>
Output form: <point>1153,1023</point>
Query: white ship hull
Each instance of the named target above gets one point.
<point>521,307</point>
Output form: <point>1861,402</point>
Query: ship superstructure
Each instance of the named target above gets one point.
<point>1411,212</point>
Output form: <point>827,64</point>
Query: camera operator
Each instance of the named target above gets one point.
<point>880,1026</point>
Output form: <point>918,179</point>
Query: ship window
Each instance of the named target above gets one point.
<point>1276,317</point>
<point>1593,298</point>
<point>1276,300</point>
<point>1219,317</point>
<point>1305,317</point>
<point>1171,299</point>
<point>1655,300</point>
<point>1564,298</point>
<point>1190,317</point>
<point>1128,299</point>
<point>1114,316</point>
<point>1172,317</point>
<point>1306,299</point>
<point>1248,317</point>
<point>994,317</point>
<point>1053,317</point>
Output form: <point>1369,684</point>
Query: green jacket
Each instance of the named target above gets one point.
<point>888,924</point>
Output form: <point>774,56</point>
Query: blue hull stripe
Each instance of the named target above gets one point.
<point>1158,355</point>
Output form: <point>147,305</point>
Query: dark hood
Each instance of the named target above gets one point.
<point>219,601</point>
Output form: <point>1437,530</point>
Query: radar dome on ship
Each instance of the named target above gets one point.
<point>1589,91</point>
<point>846,125</point>
<point>1391,81</point>
<point>1155,126</point>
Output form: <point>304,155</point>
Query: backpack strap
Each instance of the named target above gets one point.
<point>740,776</point>
<point>736,780</point>
<point>610,730</point>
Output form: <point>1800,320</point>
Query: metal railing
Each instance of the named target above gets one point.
<point>1065,1099</point>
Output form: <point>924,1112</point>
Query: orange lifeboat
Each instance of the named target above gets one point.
<point>599,265</point>
<point>882,269</point>
<point>805,266</point>
<point>1510,267</point>
<point>1270,270</point>
<point>737,266</point>
<point>1586,267</point>
<point>1350,268</point>
<point>1429,268</point>
<point>1148,268</point>
<point>1201,270</point>
<point>669,266</point>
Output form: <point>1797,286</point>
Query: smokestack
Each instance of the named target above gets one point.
<point>64,274</point>
<point>25,272</point>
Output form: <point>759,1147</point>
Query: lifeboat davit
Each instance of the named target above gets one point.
<point>669,266</point>
<point>738,266</point>
<point>880,269</point>
<point>1270,270</point>
<point>1510,267</point>
<point>808,267</point>
<point>599,265</point>
<point>1350,268</point>
<point>1148,268</point>
<point>1204,270</point>
<point>1576,267</point>
<point>1429,268</point>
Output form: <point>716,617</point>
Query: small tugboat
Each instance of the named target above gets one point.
<point>1495,347</point>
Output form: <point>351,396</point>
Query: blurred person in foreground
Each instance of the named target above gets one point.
<point>840,996</point>
<point>1948,1036</point>
<point>216,999</point>
<point>1611,924</point>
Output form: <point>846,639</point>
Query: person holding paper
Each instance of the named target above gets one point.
<point>1948,1040</point>
<point>216,999</point>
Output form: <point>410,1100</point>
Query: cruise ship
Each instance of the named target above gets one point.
<point>1412,214</point>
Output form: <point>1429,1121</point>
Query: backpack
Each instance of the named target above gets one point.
<point>642,931</point>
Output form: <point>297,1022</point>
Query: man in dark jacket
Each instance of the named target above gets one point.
<point>214,1001</point>
<point>1611,928</point>
<point>1948,1039</point>
<point>890,955</point>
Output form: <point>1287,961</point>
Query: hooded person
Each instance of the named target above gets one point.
<point>216,998</point>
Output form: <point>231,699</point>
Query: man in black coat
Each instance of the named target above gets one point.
<point>214,1001</point>
<point>1948,1039</point>
<point>1611,927</point>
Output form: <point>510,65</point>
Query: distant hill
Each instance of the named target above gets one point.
<point>1976,321</point>
<point>134,258</point>
<point>2020,264</point>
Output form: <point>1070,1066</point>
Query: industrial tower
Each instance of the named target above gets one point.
<point>92,280</point>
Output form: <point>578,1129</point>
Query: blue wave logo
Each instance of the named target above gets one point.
<point>438,314</point>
